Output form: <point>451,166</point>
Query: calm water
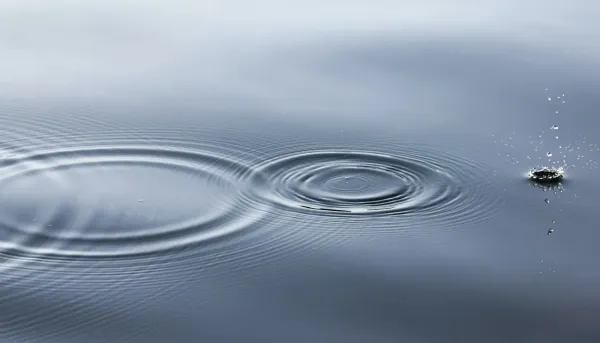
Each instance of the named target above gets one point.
<point>298,171</point>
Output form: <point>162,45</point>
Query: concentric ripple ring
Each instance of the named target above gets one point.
<point>118,201</point>
<point>339,182</point>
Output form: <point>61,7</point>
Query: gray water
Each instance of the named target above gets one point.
<point>262,171</point>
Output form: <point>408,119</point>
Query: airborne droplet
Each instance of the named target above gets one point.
<point>549,154</point>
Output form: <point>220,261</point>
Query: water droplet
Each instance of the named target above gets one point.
<point>547,200</point>
<point>549,99</point>
<point>555,137</point>
<point>554,127</point>
<point>550,231</point>
<point>549,154</point>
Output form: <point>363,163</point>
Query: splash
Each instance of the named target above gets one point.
<point>546,174</point>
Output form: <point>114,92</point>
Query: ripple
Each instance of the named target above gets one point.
<point>119,201</point>
<point>123,215</point>
<point>97,202</point>
<point>413,182</point>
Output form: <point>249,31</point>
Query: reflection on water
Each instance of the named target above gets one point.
<point>306,172</point>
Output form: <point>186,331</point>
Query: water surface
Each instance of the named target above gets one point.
<point>314,172</point>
